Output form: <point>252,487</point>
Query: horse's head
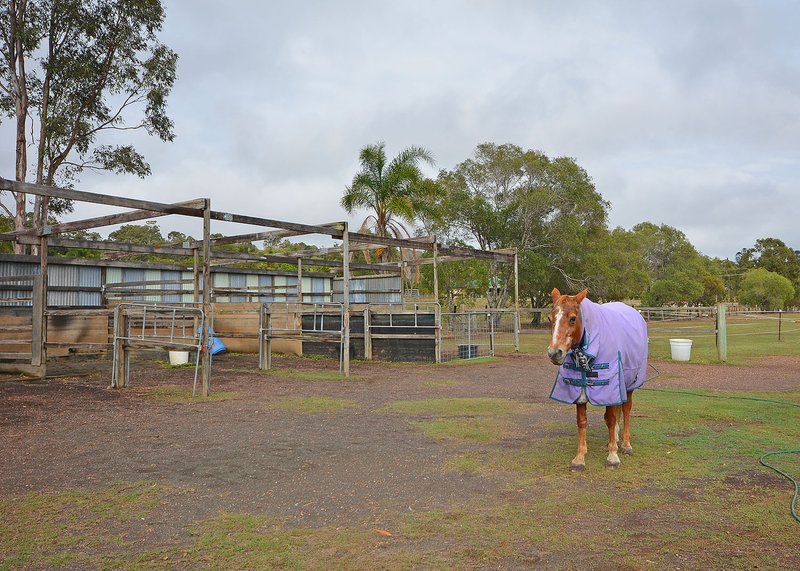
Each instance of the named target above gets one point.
<point>565,324</point>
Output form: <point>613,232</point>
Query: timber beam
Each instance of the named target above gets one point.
<point>136,249</point>
<point>101,221</point>
<point>269,223</point>
<point>95,198</point>
<point>106,245</point>
<point>472,253</point>
<point>272,234</point>
<point>280,259</point>
<point>197,212</point>
<point>422,243</point>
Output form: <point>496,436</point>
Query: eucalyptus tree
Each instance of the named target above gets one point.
<point>678,272</point>
<point>765,289</point>
<point>547,208</point>
<point>74,70</point>
<point>774,255</point>
<point>615,266</point>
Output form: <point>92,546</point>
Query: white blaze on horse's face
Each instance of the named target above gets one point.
<point>565,324</point>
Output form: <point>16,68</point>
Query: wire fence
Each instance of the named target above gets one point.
<point>748,333</point>
<point>474,334</point>
<point>778,324</point>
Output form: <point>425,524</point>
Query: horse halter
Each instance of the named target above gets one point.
<point>582,360</point>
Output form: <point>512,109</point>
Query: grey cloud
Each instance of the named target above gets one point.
<point>684,112</point>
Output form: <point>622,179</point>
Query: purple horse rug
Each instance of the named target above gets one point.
<point>609,360</point>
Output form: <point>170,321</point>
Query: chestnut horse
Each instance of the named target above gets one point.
<point>602,353</point>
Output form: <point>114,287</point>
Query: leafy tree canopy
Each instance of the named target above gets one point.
<point>507,197</point>
<point>148,233</point>
<point>89,68</point>
<point>615,267</point>
<point>393,191</point>
<point>396,194</point>
<point>765,289</point>
<point>773,255</point>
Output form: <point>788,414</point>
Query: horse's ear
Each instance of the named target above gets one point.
<point>556,294</point>
<point>581,295</point>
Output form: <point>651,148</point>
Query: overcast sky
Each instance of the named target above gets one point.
<point>685,112</point>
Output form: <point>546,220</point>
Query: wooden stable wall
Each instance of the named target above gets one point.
<point>236,324</point>
<point>15,325</point>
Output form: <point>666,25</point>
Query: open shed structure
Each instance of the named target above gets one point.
<point>182,324</point>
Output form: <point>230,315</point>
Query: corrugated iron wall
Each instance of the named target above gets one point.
<point>9,292</point>
<point>70,286</point>
<point>80,285</point>
<point>371,289</point>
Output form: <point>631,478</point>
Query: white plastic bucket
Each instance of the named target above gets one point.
<point>178,358</point>
<point>681,349</point>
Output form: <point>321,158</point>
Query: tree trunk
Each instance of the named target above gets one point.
<point>42,203</point>
<point>20,88</point>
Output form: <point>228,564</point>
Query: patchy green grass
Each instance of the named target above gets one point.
<point>73,528</point>
<point>243,541</point>
<point>692,470</point>
<point>312,404</point>
<point>479,420</point>
<point>692,496</point>
<point>676,438</point>
<point>296,375</point>
<point>459,407</point>
<point>695,466</point>
<point>645,529</point>
<point>188,365</point>
<point>465,429</point>
<point>475,361</point>
<point>181,395</point>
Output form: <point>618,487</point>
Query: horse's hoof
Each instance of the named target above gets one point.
<point>577,467</point>
<point>628,450</point>
<point>612,465</point>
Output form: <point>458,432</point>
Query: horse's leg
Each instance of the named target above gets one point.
<point>579,462</point>
<point>611,416</point>
<point>626,428</point>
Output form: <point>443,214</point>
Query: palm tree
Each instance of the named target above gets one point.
<point>392,191</point>
<point>395,192</point>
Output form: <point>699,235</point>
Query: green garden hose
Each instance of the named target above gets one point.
<point>761,460</point>
<point>785,475</point>
<point>781,402</point>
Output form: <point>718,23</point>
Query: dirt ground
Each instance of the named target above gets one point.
<point>73,431</point>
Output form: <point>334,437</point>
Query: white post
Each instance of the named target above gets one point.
<point>517,325</point>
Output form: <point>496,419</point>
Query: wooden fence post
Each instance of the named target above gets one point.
<point>205,358</point>
<point>119,372</point>
<point>722,333</point>
<point>346,299</point>
<point>367,335</point>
